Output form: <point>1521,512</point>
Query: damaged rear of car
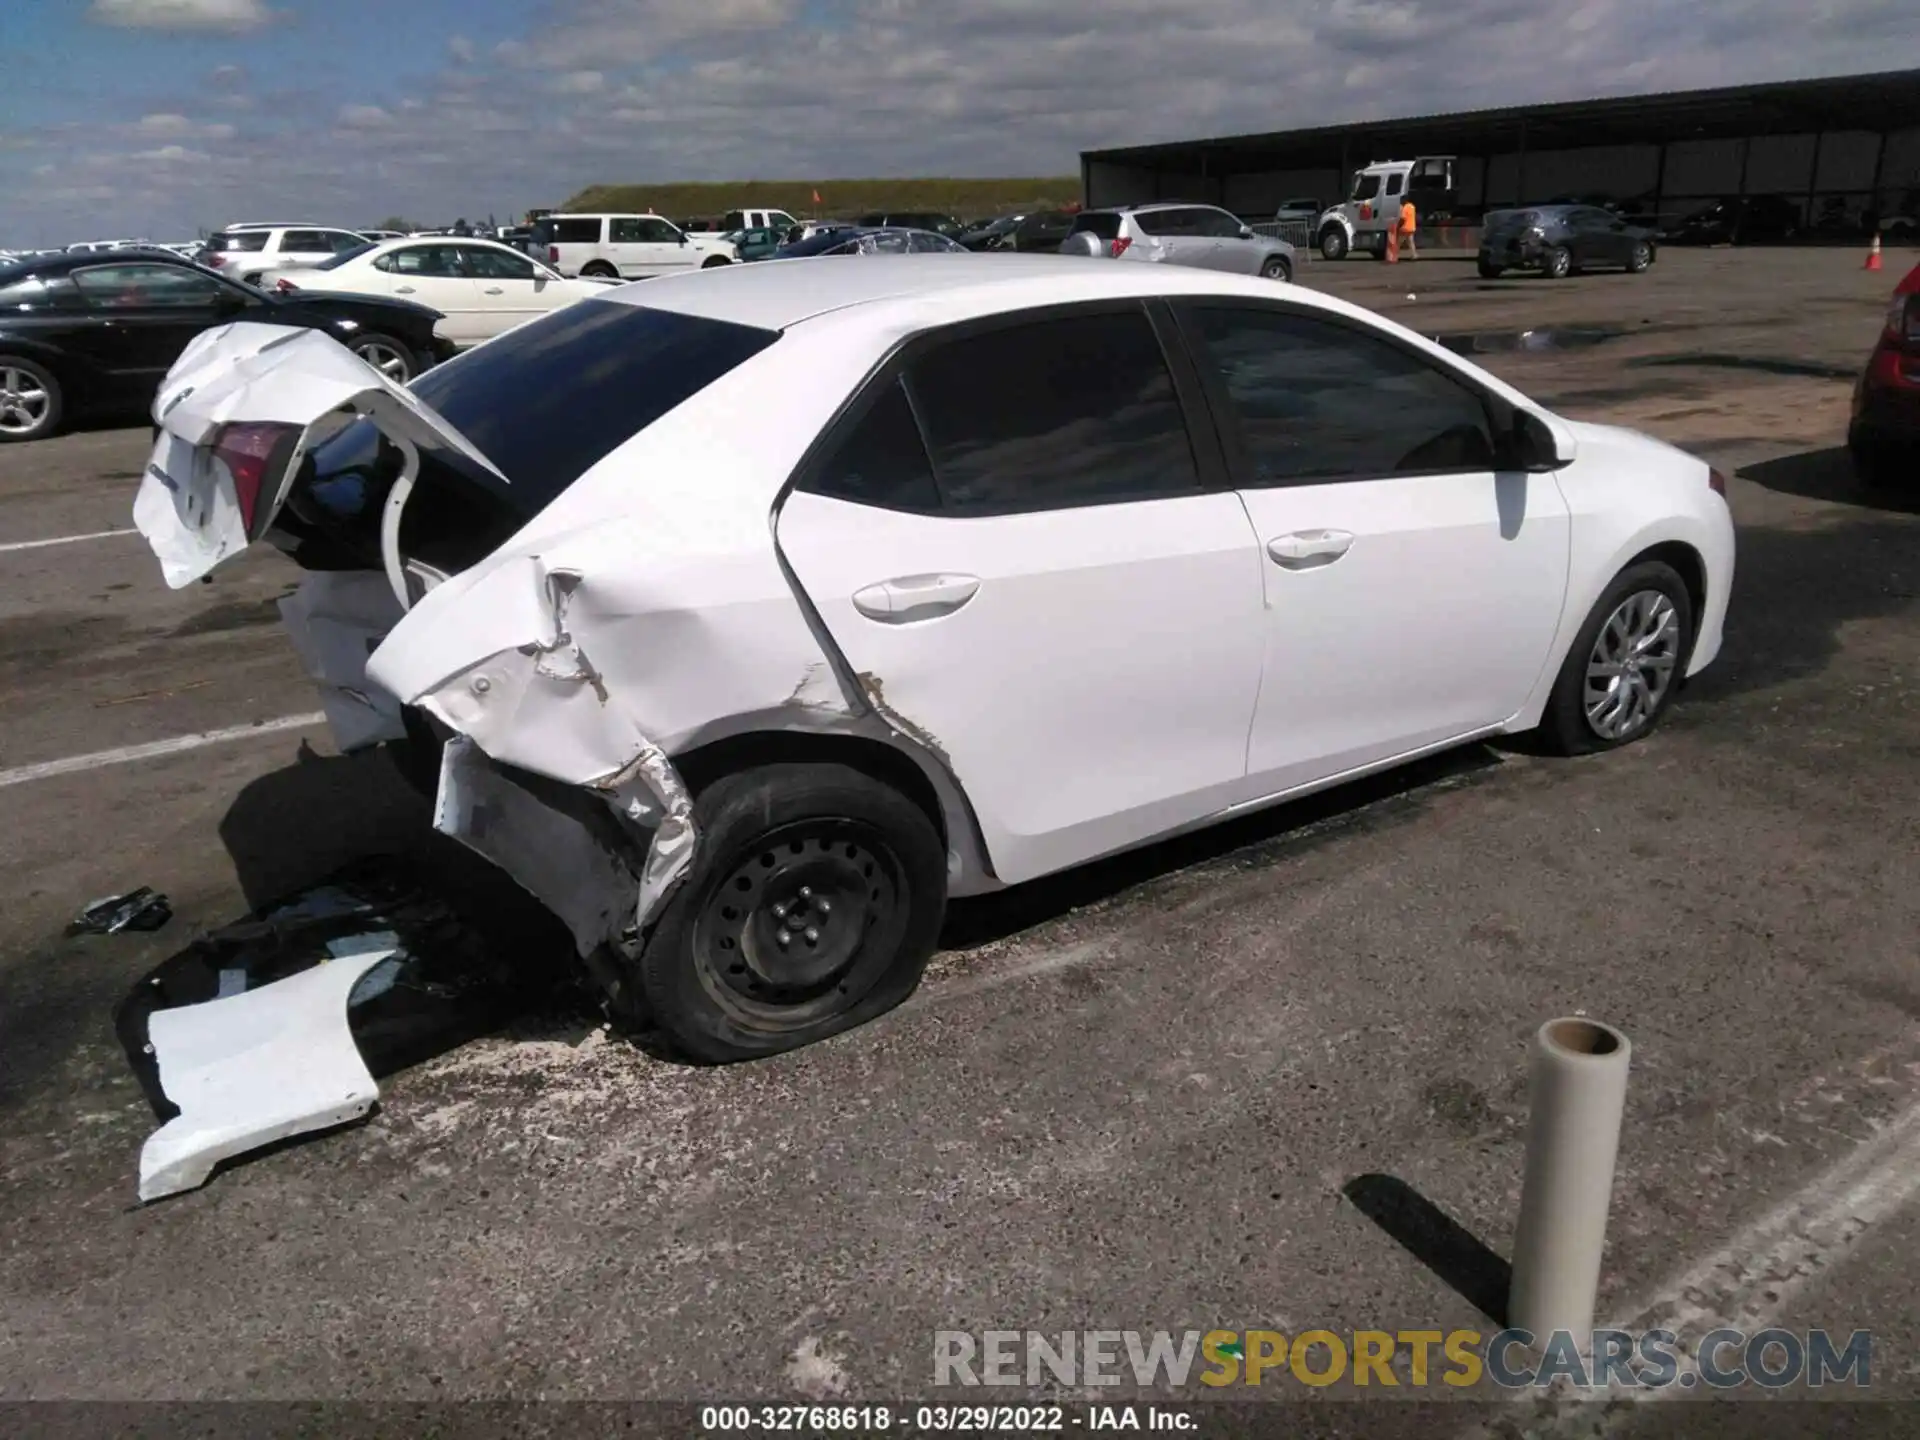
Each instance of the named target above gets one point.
<point>552,585</point>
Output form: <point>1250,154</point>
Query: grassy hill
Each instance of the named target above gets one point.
<point>967,199</point>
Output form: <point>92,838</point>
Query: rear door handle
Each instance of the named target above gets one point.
<point>1309,549</point>
<point>910,598</point>
<point>495,290</point>
<point>403,290</point>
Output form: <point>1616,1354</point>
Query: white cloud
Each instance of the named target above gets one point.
<point>172,154</point>
<point>364,117</point>
<point>461,49</point>
<point>229,16</point>
<point>579,82</point>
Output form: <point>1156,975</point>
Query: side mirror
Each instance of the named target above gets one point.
<point>1246,232</point>
<point>231,301</point>
<point>1532,443</point>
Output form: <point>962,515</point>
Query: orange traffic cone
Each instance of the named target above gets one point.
<point>1873,253</point>
<point>1393,245</point>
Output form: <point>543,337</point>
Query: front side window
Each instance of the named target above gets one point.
<point>487,263</point>
<point>1365,186</point>
<point>654,231</point>
<point>925,242</point>
<point>1393,184</point>
<point>1049,414</point>
<point>1103,223</point>
<point>1315,401</point>
<point>734,220</point>
<point>127,286</point>
<point>1218,225</point>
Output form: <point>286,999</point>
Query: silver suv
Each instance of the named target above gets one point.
<point>248,252</point>
<point>1173,234</point>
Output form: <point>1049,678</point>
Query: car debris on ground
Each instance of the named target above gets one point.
<point>144,909</point>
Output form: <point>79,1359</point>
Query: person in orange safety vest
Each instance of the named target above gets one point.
<point>1407,227</point>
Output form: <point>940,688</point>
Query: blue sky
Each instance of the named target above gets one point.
<point>157,117</point>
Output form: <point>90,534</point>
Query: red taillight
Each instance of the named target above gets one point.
<point>1717,482</point>
<point>553,254</point>
<point>216,260</point>
<point>1120,244</point>
<point>1903,320</point>
<point>285,286</point>
<point>247,451</point>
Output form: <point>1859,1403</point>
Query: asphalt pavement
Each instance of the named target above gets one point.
<point>1139,1096</point>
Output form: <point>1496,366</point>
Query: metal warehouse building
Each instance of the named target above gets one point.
<point>1840,149</point>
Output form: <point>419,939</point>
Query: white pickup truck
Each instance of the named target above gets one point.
<point>626,247</point>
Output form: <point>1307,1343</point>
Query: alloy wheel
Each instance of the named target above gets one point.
<point>386,359</point>
<point>24,402</point>
<point>1631,665</point>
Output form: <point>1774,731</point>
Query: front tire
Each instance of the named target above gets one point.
<point>1276,268</point>
<point>1490,271</point>
<point>1625,665</point>
<point>1557,263</point>
<point>392,358</point>
<point>31,405</point>
<point>1639,258</point>
<point>714,260</point>
<point>813,905</point>
<point>1333,243</point>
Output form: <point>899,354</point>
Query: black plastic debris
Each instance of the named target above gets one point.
<point>443,985</point>
<point>142,909</point>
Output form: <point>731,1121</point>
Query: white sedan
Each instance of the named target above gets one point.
<point>745,617</point>
<point>481,287</point>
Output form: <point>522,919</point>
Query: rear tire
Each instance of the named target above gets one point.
<point>1557,263</point>
<point>1640,630</point>
<point>712,260</point>
<point>1639,258</point>
<point>1333,243</point>
<point>599,270</point>
<point>1490,271</point>
<point>31,405</point>
<point>1276,268</point>
<point>851,872</point>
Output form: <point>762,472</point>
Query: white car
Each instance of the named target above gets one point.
<point>482,287</point>
<point>747,617</point>
<point>249,253</point>
<point>627,247</point>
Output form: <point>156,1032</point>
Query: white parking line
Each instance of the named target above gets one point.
<point>1751,1280</point>
<point>65,539</point>
<point>21,774</point>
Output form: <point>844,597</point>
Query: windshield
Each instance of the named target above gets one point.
<point>334,262</point>
<point>1365,186</point>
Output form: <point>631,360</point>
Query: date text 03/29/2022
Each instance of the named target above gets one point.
<point>939,1419</point>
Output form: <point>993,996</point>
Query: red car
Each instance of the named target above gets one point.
<point>1884,436</point>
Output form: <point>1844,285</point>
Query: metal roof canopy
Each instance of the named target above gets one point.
<point>1879,102</point>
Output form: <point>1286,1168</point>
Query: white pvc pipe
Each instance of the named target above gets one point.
<point>1579,1094</point>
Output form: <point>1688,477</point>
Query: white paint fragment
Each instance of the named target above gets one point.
<point>254,1068</point>
<point>336,619</point>
<point>815,1371</point>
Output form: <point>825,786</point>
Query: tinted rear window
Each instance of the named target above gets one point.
<point>549,398</point>
<point>575,232</point>
<point>1103,223</point>
<point>245,241</point>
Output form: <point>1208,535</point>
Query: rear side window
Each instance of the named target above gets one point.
<point>307,242</point>
<point>624,366</point>
<point>243,242</point>
<point>1313,401</point>
<point>882,461</point>
<point>1078,410</point>
<point>1164,222</point>
<point>575,232</point>
<point>1103,223</point>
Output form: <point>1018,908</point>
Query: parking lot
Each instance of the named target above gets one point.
<point>1134,1097</point>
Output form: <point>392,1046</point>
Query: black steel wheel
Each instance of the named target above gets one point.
<point>813,904</point>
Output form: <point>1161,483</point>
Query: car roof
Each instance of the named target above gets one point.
<point>919,291</point>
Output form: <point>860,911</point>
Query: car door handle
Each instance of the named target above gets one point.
<point>403,290</point>
<point>1308,549</point>
<point>495,290</point>
<point>910,598</point>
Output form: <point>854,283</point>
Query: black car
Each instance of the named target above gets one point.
<point>991,234</point>
<point>1557,240</point>
<point>1043,232</point>
<point>95,334</point>
<point>1736,221</point>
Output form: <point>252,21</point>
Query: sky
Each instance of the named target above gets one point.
<point>157,118</point>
